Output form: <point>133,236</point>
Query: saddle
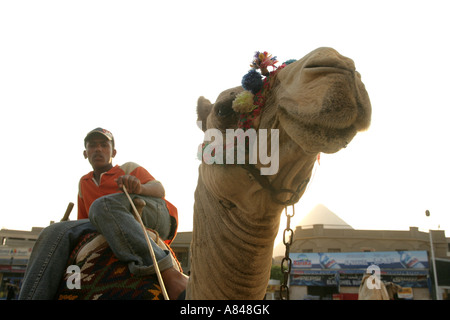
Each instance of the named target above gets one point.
<point>103,277</point>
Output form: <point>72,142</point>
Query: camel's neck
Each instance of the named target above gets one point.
<point>235,225</point>
<point>230,255</point>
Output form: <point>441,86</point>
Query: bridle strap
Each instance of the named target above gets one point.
<point>265,183</point>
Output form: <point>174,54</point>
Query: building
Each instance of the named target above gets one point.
<point>181,247</point>
<point>16,247</point>
<point>15,250</point>
<point>330,257</point>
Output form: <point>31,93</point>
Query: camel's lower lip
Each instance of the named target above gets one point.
<point>315,137</point>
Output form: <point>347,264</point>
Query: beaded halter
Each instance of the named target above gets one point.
<point>250,102</point>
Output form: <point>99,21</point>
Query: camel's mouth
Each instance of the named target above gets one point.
<point>314,136</point>
<point>322,102</point>
<point>333,104</point>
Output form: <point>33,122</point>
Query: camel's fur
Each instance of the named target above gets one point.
<point>318,104</point>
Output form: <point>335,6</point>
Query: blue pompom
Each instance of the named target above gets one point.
<point>290,61</point>
<point>252,81</point>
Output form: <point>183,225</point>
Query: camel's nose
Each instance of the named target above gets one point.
<point>322,101</point>
<point>329,58</point>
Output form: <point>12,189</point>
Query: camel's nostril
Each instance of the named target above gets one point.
<point>329,67</point>
<point>329,58</point>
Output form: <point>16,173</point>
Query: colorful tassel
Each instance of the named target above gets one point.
<point>263,60</point>
<point>250,102</point>
<point>243,102</point>
<point>289,61</point>
<point>252,81</point>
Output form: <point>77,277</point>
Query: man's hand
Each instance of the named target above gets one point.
<point>130,182</point>
<point>133,185</point>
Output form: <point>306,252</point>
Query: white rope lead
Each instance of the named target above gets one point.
<point>150,248</point>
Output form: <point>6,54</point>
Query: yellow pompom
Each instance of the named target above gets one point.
<point>243,103</point>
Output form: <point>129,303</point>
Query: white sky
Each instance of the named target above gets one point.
<point>138,67</point>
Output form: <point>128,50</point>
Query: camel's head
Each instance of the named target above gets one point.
<point>319,101</point>
<point>322,102</point>
<point>316,104</point>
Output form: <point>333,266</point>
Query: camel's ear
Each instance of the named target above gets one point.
<point>203,109</point>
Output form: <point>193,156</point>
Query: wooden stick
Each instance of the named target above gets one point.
<point>68,211</point>
<point>150,248</point>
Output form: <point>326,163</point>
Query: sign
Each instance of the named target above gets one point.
<point>14,256</point>
<point>403,260</point>
<point>350,280</point>
<point>405,268</point>
<point>405,293</point>
<point>420,281</point>
<point>324,280</point>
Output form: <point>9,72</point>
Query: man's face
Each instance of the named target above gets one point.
<point>99,151</point>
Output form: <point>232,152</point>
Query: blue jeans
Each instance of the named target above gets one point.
<point>111,216</point>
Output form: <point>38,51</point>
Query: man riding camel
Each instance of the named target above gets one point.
<point>102,207</point>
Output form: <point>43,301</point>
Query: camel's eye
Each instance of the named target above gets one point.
<point>224,109</point>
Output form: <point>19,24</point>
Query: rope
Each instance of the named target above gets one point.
<point>150,248</point>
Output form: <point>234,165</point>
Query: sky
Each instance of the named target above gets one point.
<point>137,69</point>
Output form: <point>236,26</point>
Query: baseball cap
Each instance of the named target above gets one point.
<point>101,131</point>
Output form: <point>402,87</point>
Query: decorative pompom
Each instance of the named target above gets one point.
<point>263,60</point>
<point>252,81</point>
<point>289,61</point>
<point>243,102</point>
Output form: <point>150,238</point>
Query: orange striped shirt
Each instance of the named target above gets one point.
<point>89,190</point>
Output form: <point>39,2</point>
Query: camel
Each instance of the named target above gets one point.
<point>313,105</point>
<point>316,104</point>
<point>392,289</point>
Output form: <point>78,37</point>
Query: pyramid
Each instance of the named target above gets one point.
<point>318,215</point>
<point>322,215</point>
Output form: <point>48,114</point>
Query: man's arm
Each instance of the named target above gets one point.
<point>152,189</point>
